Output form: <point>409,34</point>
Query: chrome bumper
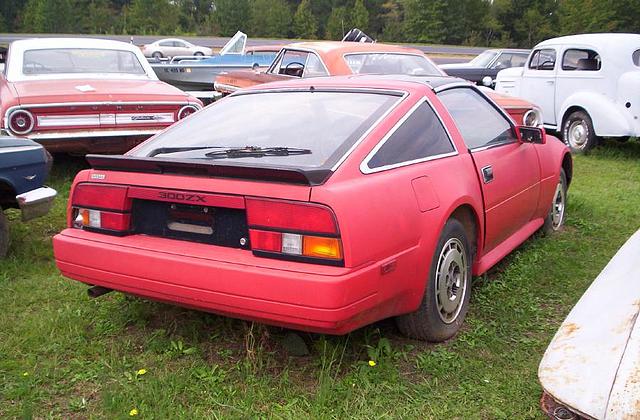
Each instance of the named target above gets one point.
<point>36,203</point>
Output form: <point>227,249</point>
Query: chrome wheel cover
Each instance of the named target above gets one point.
<point>558,206</point>
<point>577,134</point>
<point>451,280</point>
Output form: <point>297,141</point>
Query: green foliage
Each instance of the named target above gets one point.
<point>339,23</point>
<point>152,17</point>
<point>231,16</point>
<point>270,18</point>
<point>510,23</point>
<point>305,24</point>
<point>360,16</point>
<point>49,16</point>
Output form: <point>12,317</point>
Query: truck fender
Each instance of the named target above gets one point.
<point>608,117</point>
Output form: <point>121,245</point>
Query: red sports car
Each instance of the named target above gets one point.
<point>79,95</point>
<point>321,205</point>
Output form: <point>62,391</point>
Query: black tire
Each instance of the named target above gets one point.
<point>556,216</point>
<point>4,234</point>
<point>157,55</point>
<point>429,322</point>
<point>578,132</point>
<point>198,54</point>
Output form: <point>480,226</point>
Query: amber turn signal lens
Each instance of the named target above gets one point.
<point>320,247</point>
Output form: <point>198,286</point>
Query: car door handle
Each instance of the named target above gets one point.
<point>550,82</point>
<point>487,174</point>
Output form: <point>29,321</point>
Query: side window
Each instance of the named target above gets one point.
<point>518,60</point>
<point>419,137</point>
<point>543,59</point>
<point>314,67</point>
<point>503,61</point>
<point>636,57</point>
<point>291,63</point>
<point>581,60</point>
<point>166,44</point>
<point>480,124</point>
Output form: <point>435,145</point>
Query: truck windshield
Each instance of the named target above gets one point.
<point>273,128</point>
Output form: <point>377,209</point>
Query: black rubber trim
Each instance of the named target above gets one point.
<point>107,231</point>
<point>195,167</point>
<point>298,258</point>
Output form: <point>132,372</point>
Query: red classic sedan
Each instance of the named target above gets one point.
<point>78,95</point>
<point>321,205</point>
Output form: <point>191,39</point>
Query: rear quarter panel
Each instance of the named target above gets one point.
<point>551,155</point>
<point>383,219</point>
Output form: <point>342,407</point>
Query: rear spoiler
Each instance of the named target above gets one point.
<point>208,168</point>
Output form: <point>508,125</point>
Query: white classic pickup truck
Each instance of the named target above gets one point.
<point>587,86</point>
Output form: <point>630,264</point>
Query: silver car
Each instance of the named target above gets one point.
<point>171,47</point>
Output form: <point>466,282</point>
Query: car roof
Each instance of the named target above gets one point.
<point>339,47</point>
<point>391,82</point>
<point>63,42</point>
<point>13,71</point>
<point>170,39</point>
<point>605,41</point>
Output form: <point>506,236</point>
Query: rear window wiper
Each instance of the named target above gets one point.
<point>231,152</point>
<point>169,150</point>
<point>256,151</point>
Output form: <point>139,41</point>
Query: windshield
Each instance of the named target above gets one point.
<point>80,60</point>
<point>483,59</point>
<point>242,128</point>
<point>391,63</point>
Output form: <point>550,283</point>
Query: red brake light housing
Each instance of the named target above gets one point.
<point>21,121</point>
<point>186,110</point>
<point>101,208</point>
<point>294,231</point>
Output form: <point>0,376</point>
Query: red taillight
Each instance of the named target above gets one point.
<point>103,208</point>
<point>21,121</point>
<point>296,231</point>
<point>186,110</point>
<point>113,197</point>
<point>291,216</point>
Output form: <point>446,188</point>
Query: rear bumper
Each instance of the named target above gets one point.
<point>230,282</point>
<point>36,203</point>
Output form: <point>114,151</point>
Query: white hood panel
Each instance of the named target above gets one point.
<point>580,365</point>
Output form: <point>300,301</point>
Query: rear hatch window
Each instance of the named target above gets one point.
<point>308,129</point>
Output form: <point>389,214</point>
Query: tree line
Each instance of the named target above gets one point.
<point>508,23</point>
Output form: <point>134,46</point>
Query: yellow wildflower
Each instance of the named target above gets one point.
<point>25,374</point>
<point>133,412</point>
<point>372,363</point>
<point>141,372</point>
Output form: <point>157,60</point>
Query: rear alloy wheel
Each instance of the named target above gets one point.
<point>578,133</point>
<point>446,299</point>
<point>157,55</point>
<point>555,219</point>
<point>4,234</point>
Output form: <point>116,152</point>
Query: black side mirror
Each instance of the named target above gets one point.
<point>531,135</point>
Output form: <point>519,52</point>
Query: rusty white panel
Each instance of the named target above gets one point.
<point>624,402</point>
<point>580,365</point>
<point>68,120</point>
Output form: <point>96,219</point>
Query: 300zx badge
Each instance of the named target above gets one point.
<point>182,197</point>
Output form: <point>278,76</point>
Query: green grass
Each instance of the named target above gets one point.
<point>64,355</point>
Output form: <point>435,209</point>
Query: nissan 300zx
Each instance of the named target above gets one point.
<point>321,205</point>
